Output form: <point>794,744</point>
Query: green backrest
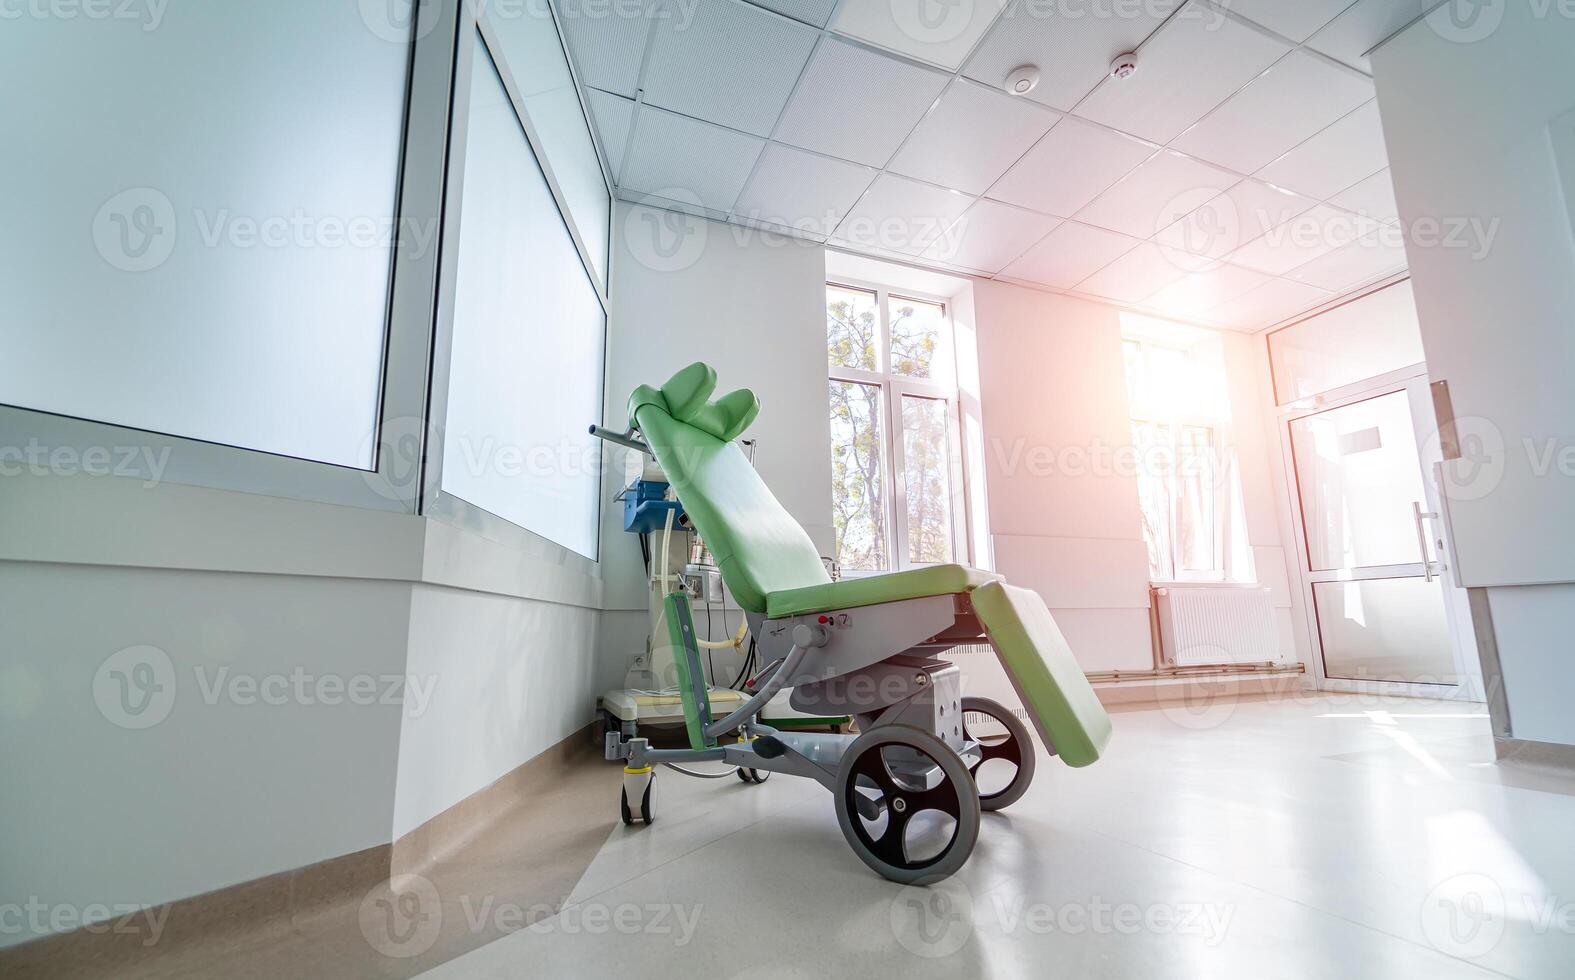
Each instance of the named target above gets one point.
<point>759,547</point>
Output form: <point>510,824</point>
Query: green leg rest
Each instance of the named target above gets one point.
<point>1060,701</point>
<point>691,677</point>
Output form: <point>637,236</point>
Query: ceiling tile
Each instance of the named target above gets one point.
<point>606,50</point>
<point>815,12</point>
<point>901,215</point>
<point>1070,254</point>
<point>1373,197</point>
<point>1362,27</point>
<point>1136,275</point>
<point>1276,300</point>
<point>1070,166</point>
<point>1306,237</point>
<point>971,137</point>
<point>1297,97</point>
<point>1234,218</point>
<point>1193,296</point>
<point>857,104</point>
<point>730,64</point>
<point>1295,19</point>
<point>1072,44</point>
<point>802,191</point>
<point>911,27</point>
<point>1167,187</point>
<point>1192,64</point>
<point>989,235</point>
<point>682,158</point>
<point>1349,151</point>
<point>612,115</point>
<point>1372,257</point>
<point>683,203</point>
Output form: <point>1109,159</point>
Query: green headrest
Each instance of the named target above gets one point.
<point>685,395</point>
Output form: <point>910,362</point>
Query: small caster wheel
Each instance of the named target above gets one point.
<point>637,784</point>
<point>756,776</point>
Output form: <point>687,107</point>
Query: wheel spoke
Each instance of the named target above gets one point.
<point>942,798</point>
<point>872,766</point>
<point>1007,748</point>
<point>891,846</point>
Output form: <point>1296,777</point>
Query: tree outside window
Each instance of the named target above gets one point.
<point>895,498</point>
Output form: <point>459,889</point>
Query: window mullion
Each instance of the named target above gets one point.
<point>895,456</point>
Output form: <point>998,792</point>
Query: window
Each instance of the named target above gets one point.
<point>205,253</point>
<point>527,40</point>
<point>525,361</point>
<point>895,458</point>
<point>1177,464</point>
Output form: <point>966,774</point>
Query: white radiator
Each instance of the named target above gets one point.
<point>1209,625</point>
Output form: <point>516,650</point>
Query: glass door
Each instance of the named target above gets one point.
<point>1384,612</point>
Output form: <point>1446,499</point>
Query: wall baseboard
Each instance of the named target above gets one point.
<point>1552,755</point>
<point>470,817</point>
<point>215,920</point>
<point>269,908</point>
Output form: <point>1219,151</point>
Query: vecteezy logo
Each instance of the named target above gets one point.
<point>1464,915</point>
<point>1202,706</point>
<point>135,687</point>
<point>134,231</point>
<point>1202,224</point>
<point>1478,468</point>
<point>932,21</point>
<point>402,917</point>
<point>661,239</point>
<point>399,446</point>
<point>1467,21</point>
<point>935,921</point>
<point>391,20</point>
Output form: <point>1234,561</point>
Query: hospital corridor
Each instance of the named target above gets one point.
<point>787,488</point>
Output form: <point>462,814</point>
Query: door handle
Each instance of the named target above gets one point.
<point>1417,515</point>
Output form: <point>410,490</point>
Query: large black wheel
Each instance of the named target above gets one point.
<point>907,805</point>
<point>1005,765</point>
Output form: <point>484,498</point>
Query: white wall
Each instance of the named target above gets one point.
<point>479,655</point>
<point>1255,441</point>
<point>1064,516</point>
<point>513,677</point>
<point>1467,125</point>
<point>750,304</point>
<point>219,791</point>
<point>1064,520</point>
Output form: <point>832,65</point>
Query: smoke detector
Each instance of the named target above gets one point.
<point>1022,79</point>
<point>1124,65</point>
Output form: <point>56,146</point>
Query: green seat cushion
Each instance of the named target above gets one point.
<point>870,590</point>
<point>1060,701</point>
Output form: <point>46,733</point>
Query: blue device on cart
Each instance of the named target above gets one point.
<point>645,507</point>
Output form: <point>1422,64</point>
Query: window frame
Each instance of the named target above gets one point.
<point>1174,427</point>
<point>393,481</point>
<point>893,388</point>
<point>437,503</point>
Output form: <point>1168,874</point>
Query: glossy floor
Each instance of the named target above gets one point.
<point>1317,837</point>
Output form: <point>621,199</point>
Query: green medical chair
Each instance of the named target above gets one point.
<point>867,647</point>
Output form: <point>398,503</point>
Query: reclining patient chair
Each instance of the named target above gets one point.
<point>865,647</point>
